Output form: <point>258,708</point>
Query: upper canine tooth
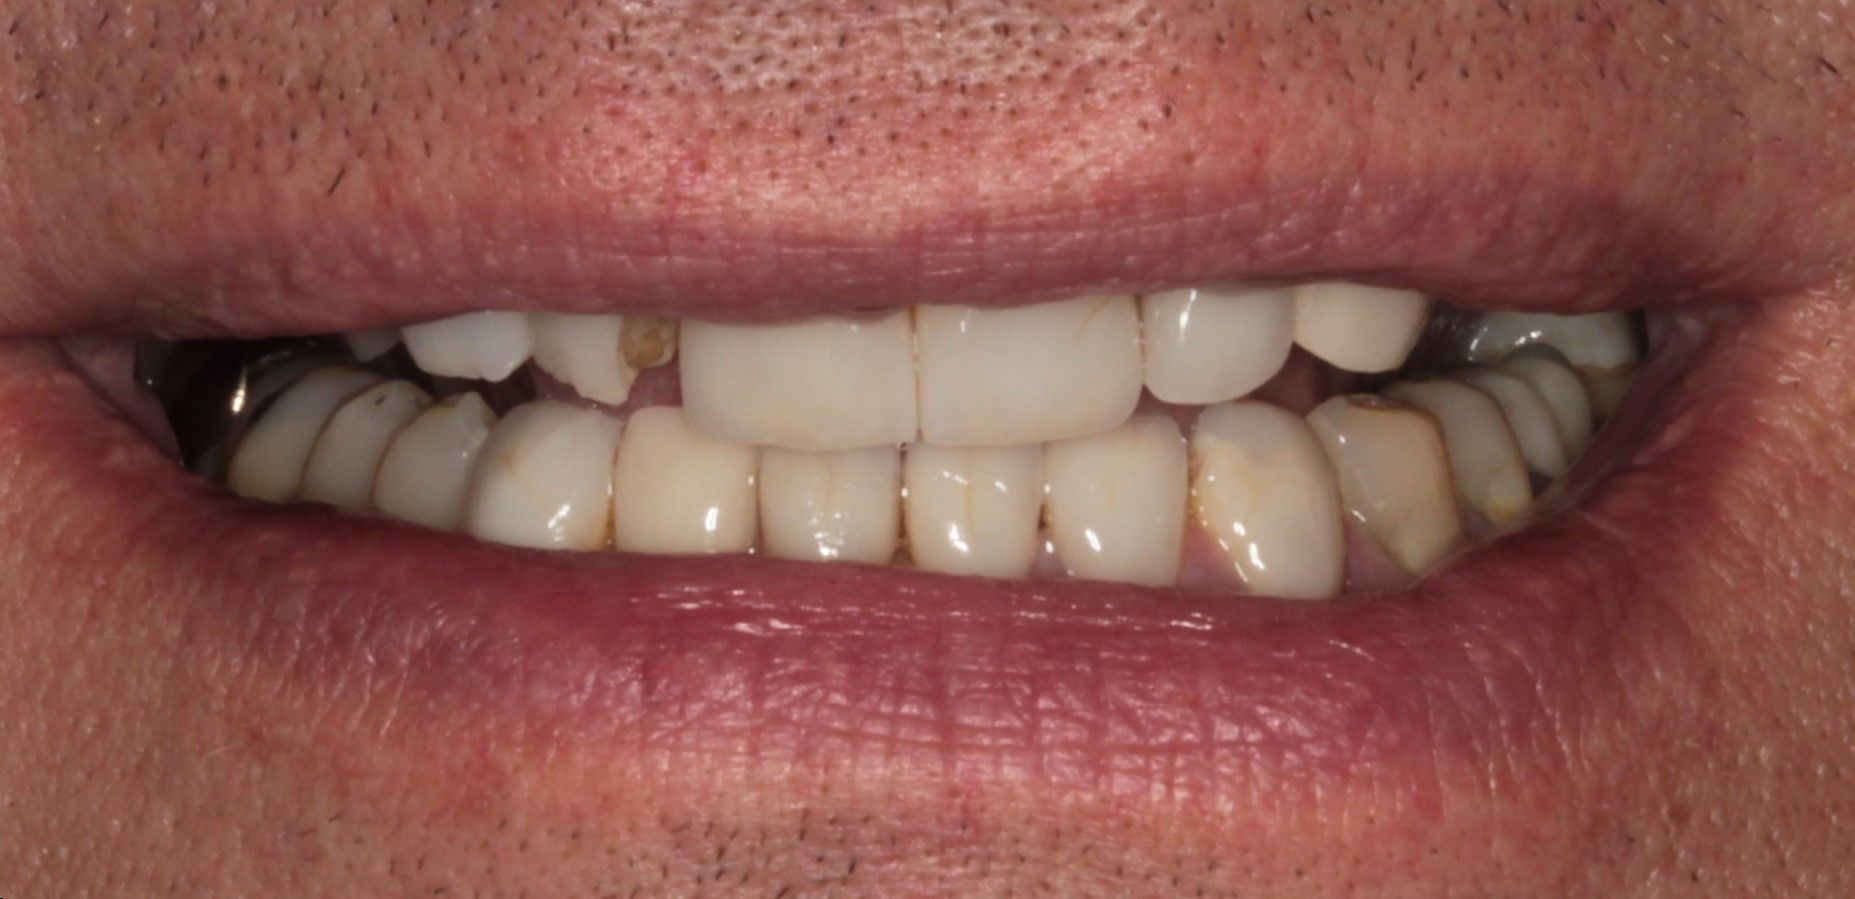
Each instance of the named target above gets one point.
<point>346,458</point>
<point>1115,502</point>
<point>486,345</point>
<point>973,510</point>
<point>425,474</point>
<point>268,463</point>
<point>820,383</point>
<point>1052,371</point>
<point>372,343</point>
<point>1359,328</point>
<point>1209,345</point>
<point>844,506</point>
<point>1484,458</point>
<point>1534,427</point>
<point>1394,476</point>
<point>1263,490</point>
<point>1561,388</point>
<point>543,479</point>
<point>585,352</point>
<point>648,341</point>
<point>676,491</point>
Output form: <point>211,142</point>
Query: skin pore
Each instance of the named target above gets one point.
<point>266,167</point>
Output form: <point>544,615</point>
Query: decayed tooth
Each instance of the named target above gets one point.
<point>584,352</point>
<point>1599,340</point>
<point>346,458</point>
<point>1115,502</point>
<point>486,345</point>
<point>425,474</point>
<point>1209,345</point>
<point>1561,388</point>
<point>1394,476</point>
<point>676,491</point>
<point>372,343</point>
<point>1003,377</point>
<point>1484,458</point>
<point>648,341</point>
<point>842,506</point>
<point>543,479</point>
<point>973,510</point>
<point>1263,490</point>
<point>1541,444</point>
<point>1357,327</point>
<point>269,461</point>
<point>820,383</point>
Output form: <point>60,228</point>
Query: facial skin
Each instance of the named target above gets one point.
<point>268,168</point>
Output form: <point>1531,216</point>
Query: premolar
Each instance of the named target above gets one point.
<point>1394,476</point>
<point>1484,458</point>
<point>485,345</point>
<point>269,460</point>
<point>1359,328</point>
<point>426,471</point>
<point>1263,491</point>
<point>346,457</point>
<point>543,479</point>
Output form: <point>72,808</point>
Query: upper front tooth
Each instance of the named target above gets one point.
<point>676,491</point>
<point>823,383</point>
<point>1600,340</point>
<point>1116,502</point>
<point>842,506</point>
<point>372,343</point>
<point>346,458</point>
<point>425,474</point>
<point>543,479</point>
<point>486,345</point>
<point>1532,422</point>
<point>1561,388</point>
<point>585,352</point>
<point>973,510</point>
<point>268,463</point>
<point>1484,458</point>
<point>1262,489</point>
<point>1359,328</point>
<point>1211,345</point>
<point>1052,371</point>
<point>1394,476</point>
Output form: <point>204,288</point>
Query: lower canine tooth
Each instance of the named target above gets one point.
<point>1359,328</point>
<point>486,345</point>
<point>1262,488</point>
<point>1537,431</point>
<point>584,352</point>
<point>675,491</point>
<point>1115,502</point>
<point>425,474</point>
<point>843,506</point>
<point>1212,345</point>
<point>1561,388</point>
<point>1394,476</point>
<point>1484,458</point>
<point>346,458</point>
<point>973,510</point>
<point>268,463</point>
<point>543,479</point>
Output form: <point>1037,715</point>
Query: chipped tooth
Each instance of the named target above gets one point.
<point>543,479</point>
<point>1532,421</point>
<point>1004,377</point>
<point>675,491</point>
<point>1484,458</point>
<point>1600,340</point>
<point>346,458</point>
<point>372,343</point>
<point>1209,345</point>
<point>841,506</point>
<point>425,474</point>
<point>1561,387</point>
<point>485,345</point>
<point>647,341</point>
<point>1394,476</point>
<point>973,510</point>
<point>584,352</point>
<point>1359,328</point>
<point>1263,490</point>
<point>821,383</point>
<point>268,463</point>
<point>1115,502</point>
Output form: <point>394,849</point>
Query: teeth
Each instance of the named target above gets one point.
<point>268,463</point>
<point>425,474</point>
<point>648,341</point>
<point>1003,377</point>
<point>1359,328</point>
<point>1484,458</point>
<point>486,345</point>
<point>1532,422</point>
<point>1561,388</point>
<point>1394,476</point>
<point>585,352</point>
<point>675,491</point>
<point>372,343</point>
<point>543,479</point>
<point>1600,340</point>
<point>973,510</point>
<point>1212,345</point>
<point>824,383</point>
<point>843,506</point>
<point>1262,488</point>
<point>1116,501</point>
<point>346,458</point>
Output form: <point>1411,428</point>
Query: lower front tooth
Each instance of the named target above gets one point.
<point>843,506</point>
<point>1359,328</point>
<point>543,479</point>
<point>268,463</point>
<point>425,474</point>
<point>1115,502</point>
<point>1541,443</point>
<point>675,491</point>
<point>486,345</point>
<point>1262,489</point>
<point>973,510</point>
<point>346,458</point>
<point>1484,458</point>
<point>1560,386</point>
<point>1394,476</point>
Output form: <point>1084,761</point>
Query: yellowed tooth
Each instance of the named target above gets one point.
<point>844,506</point>
<point>269,460</point>
<point>1394,476</point>
<point>1484,457</point>
<point>584,352</point>
<point>1359,328</point>
<point>1262,489</point>
<point>1115,503</point>
<point>1541,443</point>
<point>675,491</point>
<point>1560,386</point>
<point>346,458</point>
<point>647,341</point>
<point>973,510</point>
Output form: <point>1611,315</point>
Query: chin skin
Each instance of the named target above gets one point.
<point>152,748</point>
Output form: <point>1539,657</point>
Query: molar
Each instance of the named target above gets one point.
<point>346,457</point>
<point>268,462</point>
<point>1541,442</point>
<point>1484,458</point>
